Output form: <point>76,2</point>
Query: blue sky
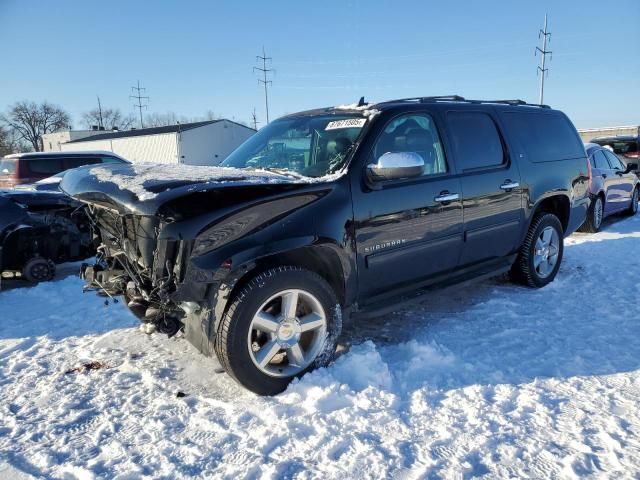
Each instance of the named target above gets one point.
<point>195,56</point>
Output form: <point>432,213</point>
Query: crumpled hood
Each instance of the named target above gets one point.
<point>143,188</point>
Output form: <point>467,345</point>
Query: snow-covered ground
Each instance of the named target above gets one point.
<point>493,380</point>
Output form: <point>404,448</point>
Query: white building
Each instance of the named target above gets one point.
<point>52,142</point>
<point>586,134</point>
<point>200,143</point>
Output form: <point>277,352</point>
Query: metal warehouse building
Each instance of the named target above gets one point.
<point>586,134</point>
<point>200,143</point>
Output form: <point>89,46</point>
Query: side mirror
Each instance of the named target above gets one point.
<point>395,166</point>
<point>631,167</point>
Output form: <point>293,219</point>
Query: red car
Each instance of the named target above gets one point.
<point>23,168</point>
<point>613,186</point>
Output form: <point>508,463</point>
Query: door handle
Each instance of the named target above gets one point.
<point>604,175</point>
<point>509,185</point>
<point>446,197</point>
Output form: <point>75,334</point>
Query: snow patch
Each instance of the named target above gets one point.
<point>367,110</point>
<point>492,380</point>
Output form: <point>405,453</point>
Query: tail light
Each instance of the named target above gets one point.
<point>589,173</point>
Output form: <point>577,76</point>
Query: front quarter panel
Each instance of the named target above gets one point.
<point>238,237</point>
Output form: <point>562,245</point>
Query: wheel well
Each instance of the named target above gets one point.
<point>559,206</point>
<point>321,260</point>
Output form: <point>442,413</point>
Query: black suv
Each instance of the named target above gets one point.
<point>334,214</point>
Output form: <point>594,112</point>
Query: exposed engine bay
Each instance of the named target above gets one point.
<point>39,230</point>
<point>132,261</point>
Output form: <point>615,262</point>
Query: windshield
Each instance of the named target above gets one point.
<point>310,146</point>
<point>7,166</point>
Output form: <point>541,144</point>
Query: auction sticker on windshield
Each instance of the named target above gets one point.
<point>346,123</point>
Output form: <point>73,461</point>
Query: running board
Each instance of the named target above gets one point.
<point>421,295</point>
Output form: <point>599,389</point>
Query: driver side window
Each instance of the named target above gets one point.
<point>415,133</point>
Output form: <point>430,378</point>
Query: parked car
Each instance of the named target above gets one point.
<point>333,215</point>
<point>624,146</point>
<point>613,187</point>
<point>40,229</point>
<point>28,168</point>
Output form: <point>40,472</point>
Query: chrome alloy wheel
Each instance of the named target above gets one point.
<point>597,213</point>
<point>546,252</point>
<point>287,333</point>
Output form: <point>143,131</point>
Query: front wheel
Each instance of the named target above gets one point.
<point>541,253</point>
<point>283,323</point>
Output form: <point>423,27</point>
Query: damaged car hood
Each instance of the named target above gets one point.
<point>142,189</point>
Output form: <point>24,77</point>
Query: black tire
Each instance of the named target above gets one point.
<point>524,270</point>
<point>591,223</point>
<point>39,270</point>
<point>633,208</point>
<point>230,342</point>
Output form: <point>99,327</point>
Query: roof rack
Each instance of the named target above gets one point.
<point>458,98</point>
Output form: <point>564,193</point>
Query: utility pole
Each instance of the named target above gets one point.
<point>264,80</point>
<point>542,71</point>
<point>254,120</point>
<point>139,90</point>
<point>100,122</point>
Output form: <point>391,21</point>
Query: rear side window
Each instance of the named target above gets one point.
<point>476,141</point>
<point>600,160</point>
<point>76,162</point>
<point>45,166</point>
<point>545,137</point>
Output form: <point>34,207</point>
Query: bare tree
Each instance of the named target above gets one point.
<point>28,121</point>
<point>161,119</point>
<point>109,118</point>
<point>171,118</point>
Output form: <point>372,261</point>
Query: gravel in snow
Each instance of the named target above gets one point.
<point>493,380</point>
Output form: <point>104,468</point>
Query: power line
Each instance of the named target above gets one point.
<point>100,122</point>
<point>140,98</point>
<point>254,120</point>
<point>542,71</point>
<point>264,80</point>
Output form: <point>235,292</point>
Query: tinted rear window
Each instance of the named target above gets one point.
<point>45,166</point>
<point>7,166</point>
<point>75,162</point>
<point>545,137</point>
<point>476,141</point>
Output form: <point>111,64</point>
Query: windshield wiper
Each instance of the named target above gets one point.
<point>282,171</point>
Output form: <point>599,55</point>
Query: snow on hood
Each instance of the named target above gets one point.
<point>138,179</point>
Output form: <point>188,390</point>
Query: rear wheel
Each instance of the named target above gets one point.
<point>283,323</point>
<point>541,253</point>
<point>633,208</point>
<point>593,222</point>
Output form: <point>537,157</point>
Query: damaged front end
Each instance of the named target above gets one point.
<point>134,261</point>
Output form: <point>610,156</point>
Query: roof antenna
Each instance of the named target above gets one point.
<point>361,103</point>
